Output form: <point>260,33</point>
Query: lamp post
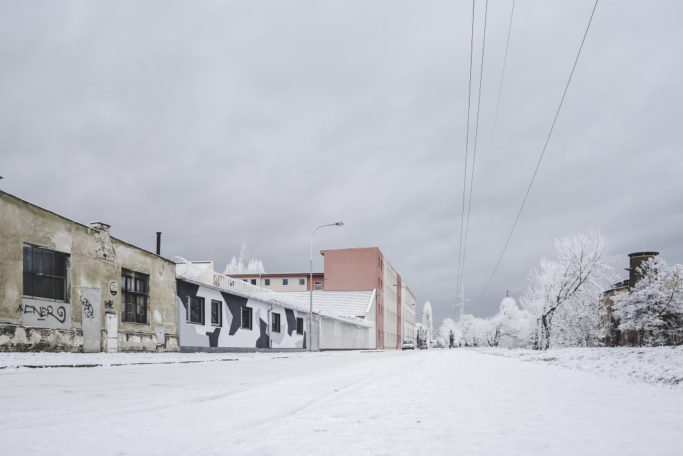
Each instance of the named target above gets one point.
<point>310,285</point>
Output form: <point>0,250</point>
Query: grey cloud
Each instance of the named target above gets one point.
<point>227,122</point>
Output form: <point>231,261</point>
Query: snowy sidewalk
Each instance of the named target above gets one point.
<point>29,360</point>
<point>441,402</point>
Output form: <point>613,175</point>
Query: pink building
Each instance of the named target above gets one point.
<point>366,269</point>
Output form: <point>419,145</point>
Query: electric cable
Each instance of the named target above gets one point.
<point>540,158</point>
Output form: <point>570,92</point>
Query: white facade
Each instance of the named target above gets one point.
<point>408,303</point>
<point>210,318</point>
<point>391,306</point>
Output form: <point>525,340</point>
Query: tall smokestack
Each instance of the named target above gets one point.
<point>158,242</point>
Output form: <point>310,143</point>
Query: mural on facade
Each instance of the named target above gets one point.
<point>230,333</point>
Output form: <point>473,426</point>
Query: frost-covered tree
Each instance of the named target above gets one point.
<point>565,293</point>
<point>511,326</point>
<point>654,307</point>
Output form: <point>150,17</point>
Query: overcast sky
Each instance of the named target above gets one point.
<point>228,122</point>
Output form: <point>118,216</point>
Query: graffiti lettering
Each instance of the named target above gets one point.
<point>88,310</point>
<point>109,304</point>
<point>44,312</point>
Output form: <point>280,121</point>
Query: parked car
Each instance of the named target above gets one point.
<point>423,346</point>
<point>408,345</point>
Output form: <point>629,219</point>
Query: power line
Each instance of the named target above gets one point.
<point>474,152</point>
<point>502,77</point>
<point>467,146</point>
<point>540,158</point>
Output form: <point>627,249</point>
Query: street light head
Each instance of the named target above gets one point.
<point>339,223</point>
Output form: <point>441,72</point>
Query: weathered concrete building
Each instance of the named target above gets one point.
<point>65,286</point>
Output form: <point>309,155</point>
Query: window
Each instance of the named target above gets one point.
<point>253,281</point>
<point>246,317</point>
<point>216,313</point>
<point>267,282</point>
<point>285,282</point>
<point>196,310</point>
<point>318,285</point>
<point>134,294</point>
<point>276,323</point>
<point>302,281</point>
<point>299,325</point>
<point>245,280</point>
<point>45,273</point>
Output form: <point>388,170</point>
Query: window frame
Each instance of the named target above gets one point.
<point>285,282</point>
<point>267,282</point>
<point>250,312</point>
<point>201,302</point>
<point>219,306</point>
<point>38,275</point>
<point>299,324</point>
<point>136,277</point>
<point>275,325</point>
<point>302,281</point>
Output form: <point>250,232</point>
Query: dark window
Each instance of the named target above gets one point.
<point>253,281</point>
<point>45,273</point>
<point>267,282</point>
<point>216,313</point>
<point>245,280</point>
<point>299,325</point>
<point>318,285</point>
<point>285,281</point>
<point>196,314</point>
<point>246,317</point>
<point>302,281</point>
<point>134,294</point>
<point>276,323</point>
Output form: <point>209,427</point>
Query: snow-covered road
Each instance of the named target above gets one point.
<point>436,402</point>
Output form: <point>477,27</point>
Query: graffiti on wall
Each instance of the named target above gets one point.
<point>42,312</point>
<point>88,310</point>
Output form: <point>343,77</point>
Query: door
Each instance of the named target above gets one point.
<point>112,333</point>
<point>91,318</point>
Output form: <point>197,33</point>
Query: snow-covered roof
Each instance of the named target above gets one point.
<point>343,305</point>
<point>348,304</point>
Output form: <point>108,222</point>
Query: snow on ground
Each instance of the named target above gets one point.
<point>15,360</point>
<point>437,402</point>
<point>662,365</point>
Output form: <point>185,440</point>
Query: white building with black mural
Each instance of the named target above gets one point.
<point>220,313</point>
<point>211,318</point>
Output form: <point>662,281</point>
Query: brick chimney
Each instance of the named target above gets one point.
<point>635,261</point>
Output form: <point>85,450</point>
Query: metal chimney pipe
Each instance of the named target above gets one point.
<point>158,242</point>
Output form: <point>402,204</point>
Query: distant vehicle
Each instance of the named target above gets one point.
<point>408,345</point>
<point>423,346</point>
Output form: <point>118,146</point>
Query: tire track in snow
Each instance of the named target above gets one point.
<point>255,427</point>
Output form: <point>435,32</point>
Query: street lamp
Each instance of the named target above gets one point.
<point>310,285</point>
